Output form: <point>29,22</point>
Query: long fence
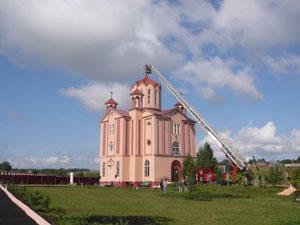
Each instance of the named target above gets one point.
<point>44,179</point>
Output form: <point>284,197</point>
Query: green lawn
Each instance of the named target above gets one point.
<point>208,205</point>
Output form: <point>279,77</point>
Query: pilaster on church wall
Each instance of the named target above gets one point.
<point>161,137</point>
<point>103,142</point>
<point>194,147</point>
<point>100,138</point>
<point>111,137</point>
<point>135,132</point>
<point>167,137</point>
<point>154,136</point>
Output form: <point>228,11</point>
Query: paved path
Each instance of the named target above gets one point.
<point>10,214</point>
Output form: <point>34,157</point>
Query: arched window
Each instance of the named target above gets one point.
<point>149,96</point>
<point>147,168</point>
<point>118,169</point>
<point>175,148</point>
<point>103,169</point>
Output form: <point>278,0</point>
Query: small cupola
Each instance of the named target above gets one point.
<point>137,98</point>
<point>180,107</point>
<point>111,103</point>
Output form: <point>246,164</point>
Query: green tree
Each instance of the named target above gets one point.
<point>205,158</point>
<point>275,175</point>
<point>189,172</point>
<point>252,161</point>
<point>294,175</point>
<point>219,176</point>
<point>286,161</point>
<point>5,166</point>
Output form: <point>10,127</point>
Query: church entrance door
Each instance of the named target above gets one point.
<point>175,170</point>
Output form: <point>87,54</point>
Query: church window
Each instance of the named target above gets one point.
<point>149,96</point>
<point>118,169</point>
<point>175,129</point>
<point>111,146</point>
<point>111,129</point>
<point>103,169</point>
<point>175,148</point>
<point>147,168</point>
<point>155,97</point>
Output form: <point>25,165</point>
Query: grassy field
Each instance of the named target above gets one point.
<point>207,205</point>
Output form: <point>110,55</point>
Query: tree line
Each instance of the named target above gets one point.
<point>273,174</point>
<point>81,172</point>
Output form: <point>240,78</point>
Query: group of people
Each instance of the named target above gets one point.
<point>164,185</point>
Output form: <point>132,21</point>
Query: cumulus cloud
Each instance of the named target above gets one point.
<point>289,64</point>
<point>93,95</point>
<point>110,41</point>
<point>55,161</point>
<point>107,40</point>
<point>216,74</point>
<point>257,25</point>
<point>261,142</point>
<point>42,162</point>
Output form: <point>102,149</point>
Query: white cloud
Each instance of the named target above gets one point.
<point>289,64</point>
<point>41,162</point>
<point>217,73</point>
<point>103,40</point>
<point>260,142</point>
<point>258,25</point>
<point>110,41</point>
<point>55,161</point>
<point>93,95</point>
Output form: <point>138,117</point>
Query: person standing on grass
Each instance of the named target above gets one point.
<point>161,184</point>
<point>165,185</point>
<point>181,185</point>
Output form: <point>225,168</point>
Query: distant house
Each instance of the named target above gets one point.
<point>262,164</point>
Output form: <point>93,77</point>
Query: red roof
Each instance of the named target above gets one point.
<point>122,112</point>
<point>146,80</point>
<point>136,92</point>
<point>111,102</point>
<point>119,111</point>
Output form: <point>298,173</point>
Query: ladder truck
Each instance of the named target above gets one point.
<point>237,162</point>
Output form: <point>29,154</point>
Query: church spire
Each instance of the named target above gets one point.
<point>111,103</point>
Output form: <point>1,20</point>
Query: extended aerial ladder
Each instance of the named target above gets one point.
<point>235,159</point>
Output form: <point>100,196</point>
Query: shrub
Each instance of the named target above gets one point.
<point>275,175</point>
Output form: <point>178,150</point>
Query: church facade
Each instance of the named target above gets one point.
<point>145,143</point>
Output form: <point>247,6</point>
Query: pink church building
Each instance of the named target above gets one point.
<point>146,143</point>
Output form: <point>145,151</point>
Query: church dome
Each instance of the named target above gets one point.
<point>111,101</point>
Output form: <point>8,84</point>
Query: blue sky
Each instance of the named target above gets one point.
<point>237,62</point>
